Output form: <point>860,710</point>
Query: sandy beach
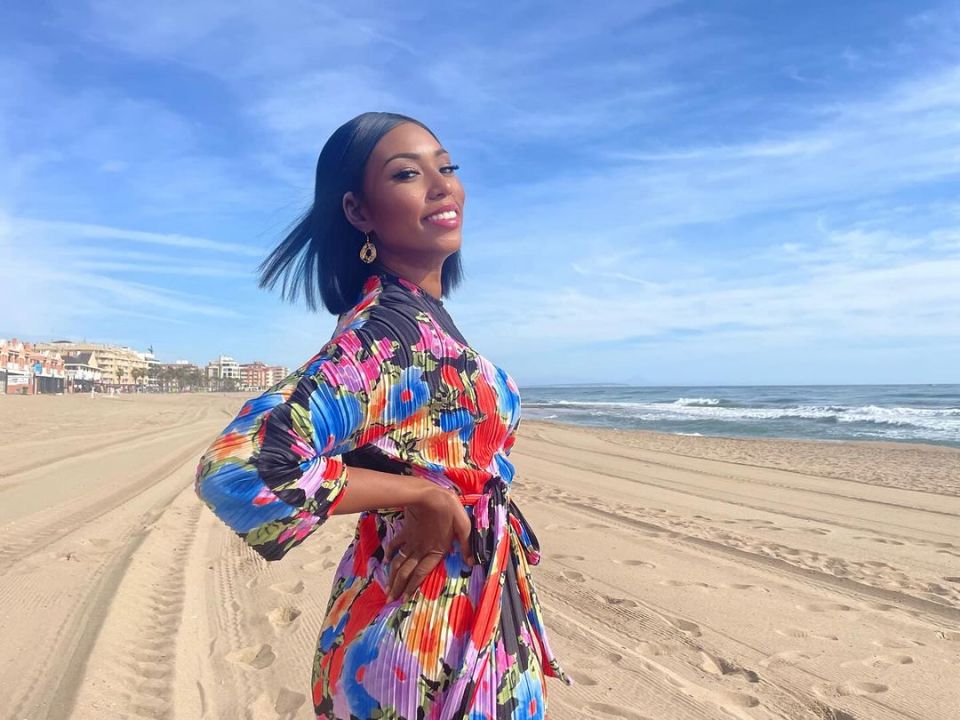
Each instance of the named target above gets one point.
<point>682,577</point>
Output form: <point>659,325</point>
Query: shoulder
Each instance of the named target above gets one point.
<point>383,311</point>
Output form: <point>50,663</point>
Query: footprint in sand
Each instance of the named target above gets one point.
<point>824,607</point>
<point>581,678</point>
<point>681,583</point>
<point>952,578</point>
<point>573,575</point>
<point>283,616</point>
<point>850,688</point>
<point>880,661</point>
<point>593,708</point>
<point>319,565</point>
<point>948,634</point>
<point>622,602</point>
<point>598,661</point>
<point>255,656</point>
<point>291,587</point>
<point>611,657</point>
<point>716,665</point>
<point>786,657</point>
<point>897,643</point>
<point>633,563</point>
<point>648,648</point>
<point>685,626</point>
<point>288,702</point>
<point>746,586</point>
<point>568,557</point>
<point>800,634</point>
<point>737,699</point>
<point>882,541</point>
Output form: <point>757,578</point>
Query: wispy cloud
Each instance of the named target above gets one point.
<point>655,190</point>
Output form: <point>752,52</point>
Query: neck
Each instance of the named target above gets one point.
<point>427,280</point>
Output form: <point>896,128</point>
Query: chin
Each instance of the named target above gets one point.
<point>448,244</point>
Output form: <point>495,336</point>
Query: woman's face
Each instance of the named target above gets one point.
<point>409,179</point>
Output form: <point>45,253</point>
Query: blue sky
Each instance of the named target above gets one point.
<point>657,192</point>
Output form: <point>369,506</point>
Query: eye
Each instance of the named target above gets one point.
<point>408,173</point>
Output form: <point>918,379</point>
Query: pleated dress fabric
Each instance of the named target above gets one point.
<point>397,388</point>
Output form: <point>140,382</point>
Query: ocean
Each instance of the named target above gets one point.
<point>904,413</point>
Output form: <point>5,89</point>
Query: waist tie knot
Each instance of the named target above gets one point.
<point>487,508</point>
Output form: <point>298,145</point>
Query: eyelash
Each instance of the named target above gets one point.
<point>402,172</point>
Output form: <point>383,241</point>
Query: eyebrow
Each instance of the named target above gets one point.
<point>413,156</point>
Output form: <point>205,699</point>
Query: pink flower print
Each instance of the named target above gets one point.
<point>265,497</point>
<point>313,476</point>
<point>302,528</point>
<point>370,368</point>
<point>300,446</point>
<point>433,342</point>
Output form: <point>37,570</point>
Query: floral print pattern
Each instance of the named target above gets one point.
<point>397,388</point>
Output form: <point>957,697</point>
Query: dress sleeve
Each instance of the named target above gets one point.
<point>275,473</point>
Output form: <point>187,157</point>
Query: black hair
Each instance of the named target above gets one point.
<point>328,245</point>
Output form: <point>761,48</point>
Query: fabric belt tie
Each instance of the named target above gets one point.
<point>496,495</point>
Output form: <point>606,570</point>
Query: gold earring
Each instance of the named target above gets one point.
<point>368,251</point>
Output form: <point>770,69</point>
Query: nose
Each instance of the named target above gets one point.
<point>440,185</point>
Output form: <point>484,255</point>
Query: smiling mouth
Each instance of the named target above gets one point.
<point>445,215</point>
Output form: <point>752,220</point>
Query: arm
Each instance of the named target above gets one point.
<point>275,473</point>
<point>372,490</point>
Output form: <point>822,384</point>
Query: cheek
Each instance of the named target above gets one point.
<point>402,206</point>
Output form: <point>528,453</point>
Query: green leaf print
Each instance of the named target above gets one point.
<point>264,534</point>
<point>300,419</point>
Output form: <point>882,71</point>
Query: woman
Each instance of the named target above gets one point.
<point>433,612</point>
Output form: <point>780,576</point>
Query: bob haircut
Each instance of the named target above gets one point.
<point>327,244</point>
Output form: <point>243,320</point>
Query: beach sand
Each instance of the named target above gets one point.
<point>682,577</point>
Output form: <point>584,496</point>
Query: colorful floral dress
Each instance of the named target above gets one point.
<point>397,388</point>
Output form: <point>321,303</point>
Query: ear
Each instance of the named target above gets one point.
<point>356,213</point>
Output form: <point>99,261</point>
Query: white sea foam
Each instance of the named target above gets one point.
<point>940,422</point>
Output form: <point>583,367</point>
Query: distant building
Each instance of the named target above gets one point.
<point>82,372</point>
<point>121,367</point>
<point>29,368</point>
<point>224,374</point>
<point>260,376</point>
<point>253,376</point>
<point>275,374</point>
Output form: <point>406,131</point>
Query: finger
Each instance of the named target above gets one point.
<point>394,544</point>
<point>419,573</point>
<point>395,560</point>
<point>464,530</point>
<point>399,574</point>
<point>395,566</point>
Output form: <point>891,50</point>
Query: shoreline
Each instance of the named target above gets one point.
<point>747,438</point>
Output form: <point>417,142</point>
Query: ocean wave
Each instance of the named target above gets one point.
<point>941,420</point>
<point>697,402</point>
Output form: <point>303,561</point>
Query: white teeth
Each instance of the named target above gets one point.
<point>448,215</point>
